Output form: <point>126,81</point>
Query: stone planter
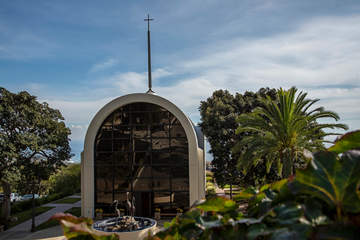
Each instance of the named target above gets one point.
<point>128,235</point>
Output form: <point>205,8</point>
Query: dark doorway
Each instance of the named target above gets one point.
<point>143,204</point>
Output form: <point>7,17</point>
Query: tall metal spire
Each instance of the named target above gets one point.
<point>148,19</point>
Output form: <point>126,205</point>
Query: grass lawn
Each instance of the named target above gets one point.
<point>26,215</point>
<point>76,211</point>
<point>68,200</point>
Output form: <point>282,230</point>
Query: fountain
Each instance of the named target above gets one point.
<point>127,227</point>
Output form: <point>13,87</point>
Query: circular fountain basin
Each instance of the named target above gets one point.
<point>114,225</point>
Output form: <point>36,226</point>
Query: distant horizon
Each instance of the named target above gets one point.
<point>78,56</point>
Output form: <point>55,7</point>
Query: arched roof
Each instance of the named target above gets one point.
<point>191,130</point>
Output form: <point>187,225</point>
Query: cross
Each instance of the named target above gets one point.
<point>148,19</point>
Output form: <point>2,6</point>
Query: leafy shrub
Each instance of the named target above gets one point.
<point>209,179</point>
<point>209,174</point>
<point>321,202</point>
<point>66,181</point>
<point>21,206</point>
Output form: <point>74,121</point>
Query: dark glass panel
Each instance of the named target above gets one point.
<point>141,131</point>
<point>181,199</point>
<point>161,184</point>
<point>123,132</point>
<point>121,118</point>
<point>160,144</point>
<point>162,199</point>
<point>104,134</point>
<point>103,145</point>
<point>122,171</point>
<point>106,207</point>
<point>117,120</point>
<point>177,131</point>
<point>141,171</point>
<point>121,197</point>
<point>179,145</point>
<point>179,158</point>
<point>141,158</point>
<point>121,158</point>
<point>122,184</point>
<point>160,158</point>
<point>180,172</point>
<point>140,107</point>
<point>180,184</point>
<point>161,171</point>
<point>142,184</point>
<point>156,108</point>
<point>104,197</point>
<point>107,125</point>
<point>142,144</point>
<point>104,178</point>
<point>121,145</point>
<point>140,118</point>
<point>160,118</point>
<point>159,131</point>
<point>102,158</point>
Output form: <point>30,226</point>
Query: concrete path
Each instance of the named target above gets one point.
<point>22,231</point>
<point>219,191</point>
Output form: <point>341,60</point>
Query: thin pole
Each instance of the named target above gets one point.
<point>148,19</point>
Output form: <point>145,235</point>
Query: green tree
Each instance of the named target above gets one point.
<point>218,122</point>
<point>30,133</point>
<point>66,180</point>
<point>282,131</point>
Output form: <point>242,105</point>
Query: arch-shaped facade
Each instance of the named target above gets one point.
<point>145,145</point>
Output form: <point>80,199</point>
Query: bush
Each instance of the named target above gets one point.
<point>320,202</point>
<point>209,174</point>
<point>66,181</point>
<point>21,206</point>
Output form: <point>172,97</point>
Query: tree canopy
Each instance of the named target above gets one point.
<point>282,131</point>
<point>218,122</point>
<point>33,137</point>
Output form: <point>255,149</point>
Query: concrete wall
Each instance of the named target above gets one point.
<point>196,155</point>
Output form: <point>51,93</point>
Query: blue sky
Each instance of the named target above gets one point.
<point>78,55</point>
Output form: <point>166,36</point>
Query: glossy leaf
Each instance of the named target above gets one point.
<point>334,181</point>
<point>218,204</point>
<point>348,141</point>
<point>80,228</point>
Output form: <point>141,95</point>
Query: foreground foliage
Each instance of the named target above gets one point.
<point>80,228</point>
<point>321,202</point>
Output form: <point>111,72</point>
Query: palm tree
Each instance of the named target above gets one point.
<point>282,131</point>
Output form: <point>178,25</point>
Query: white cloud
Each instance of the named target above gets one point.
<point>104,65</point>
<point>321,57</point>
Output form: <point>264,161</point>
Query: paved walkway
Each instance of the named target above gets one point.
<point>22,231</point>
<point>219,191</point>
